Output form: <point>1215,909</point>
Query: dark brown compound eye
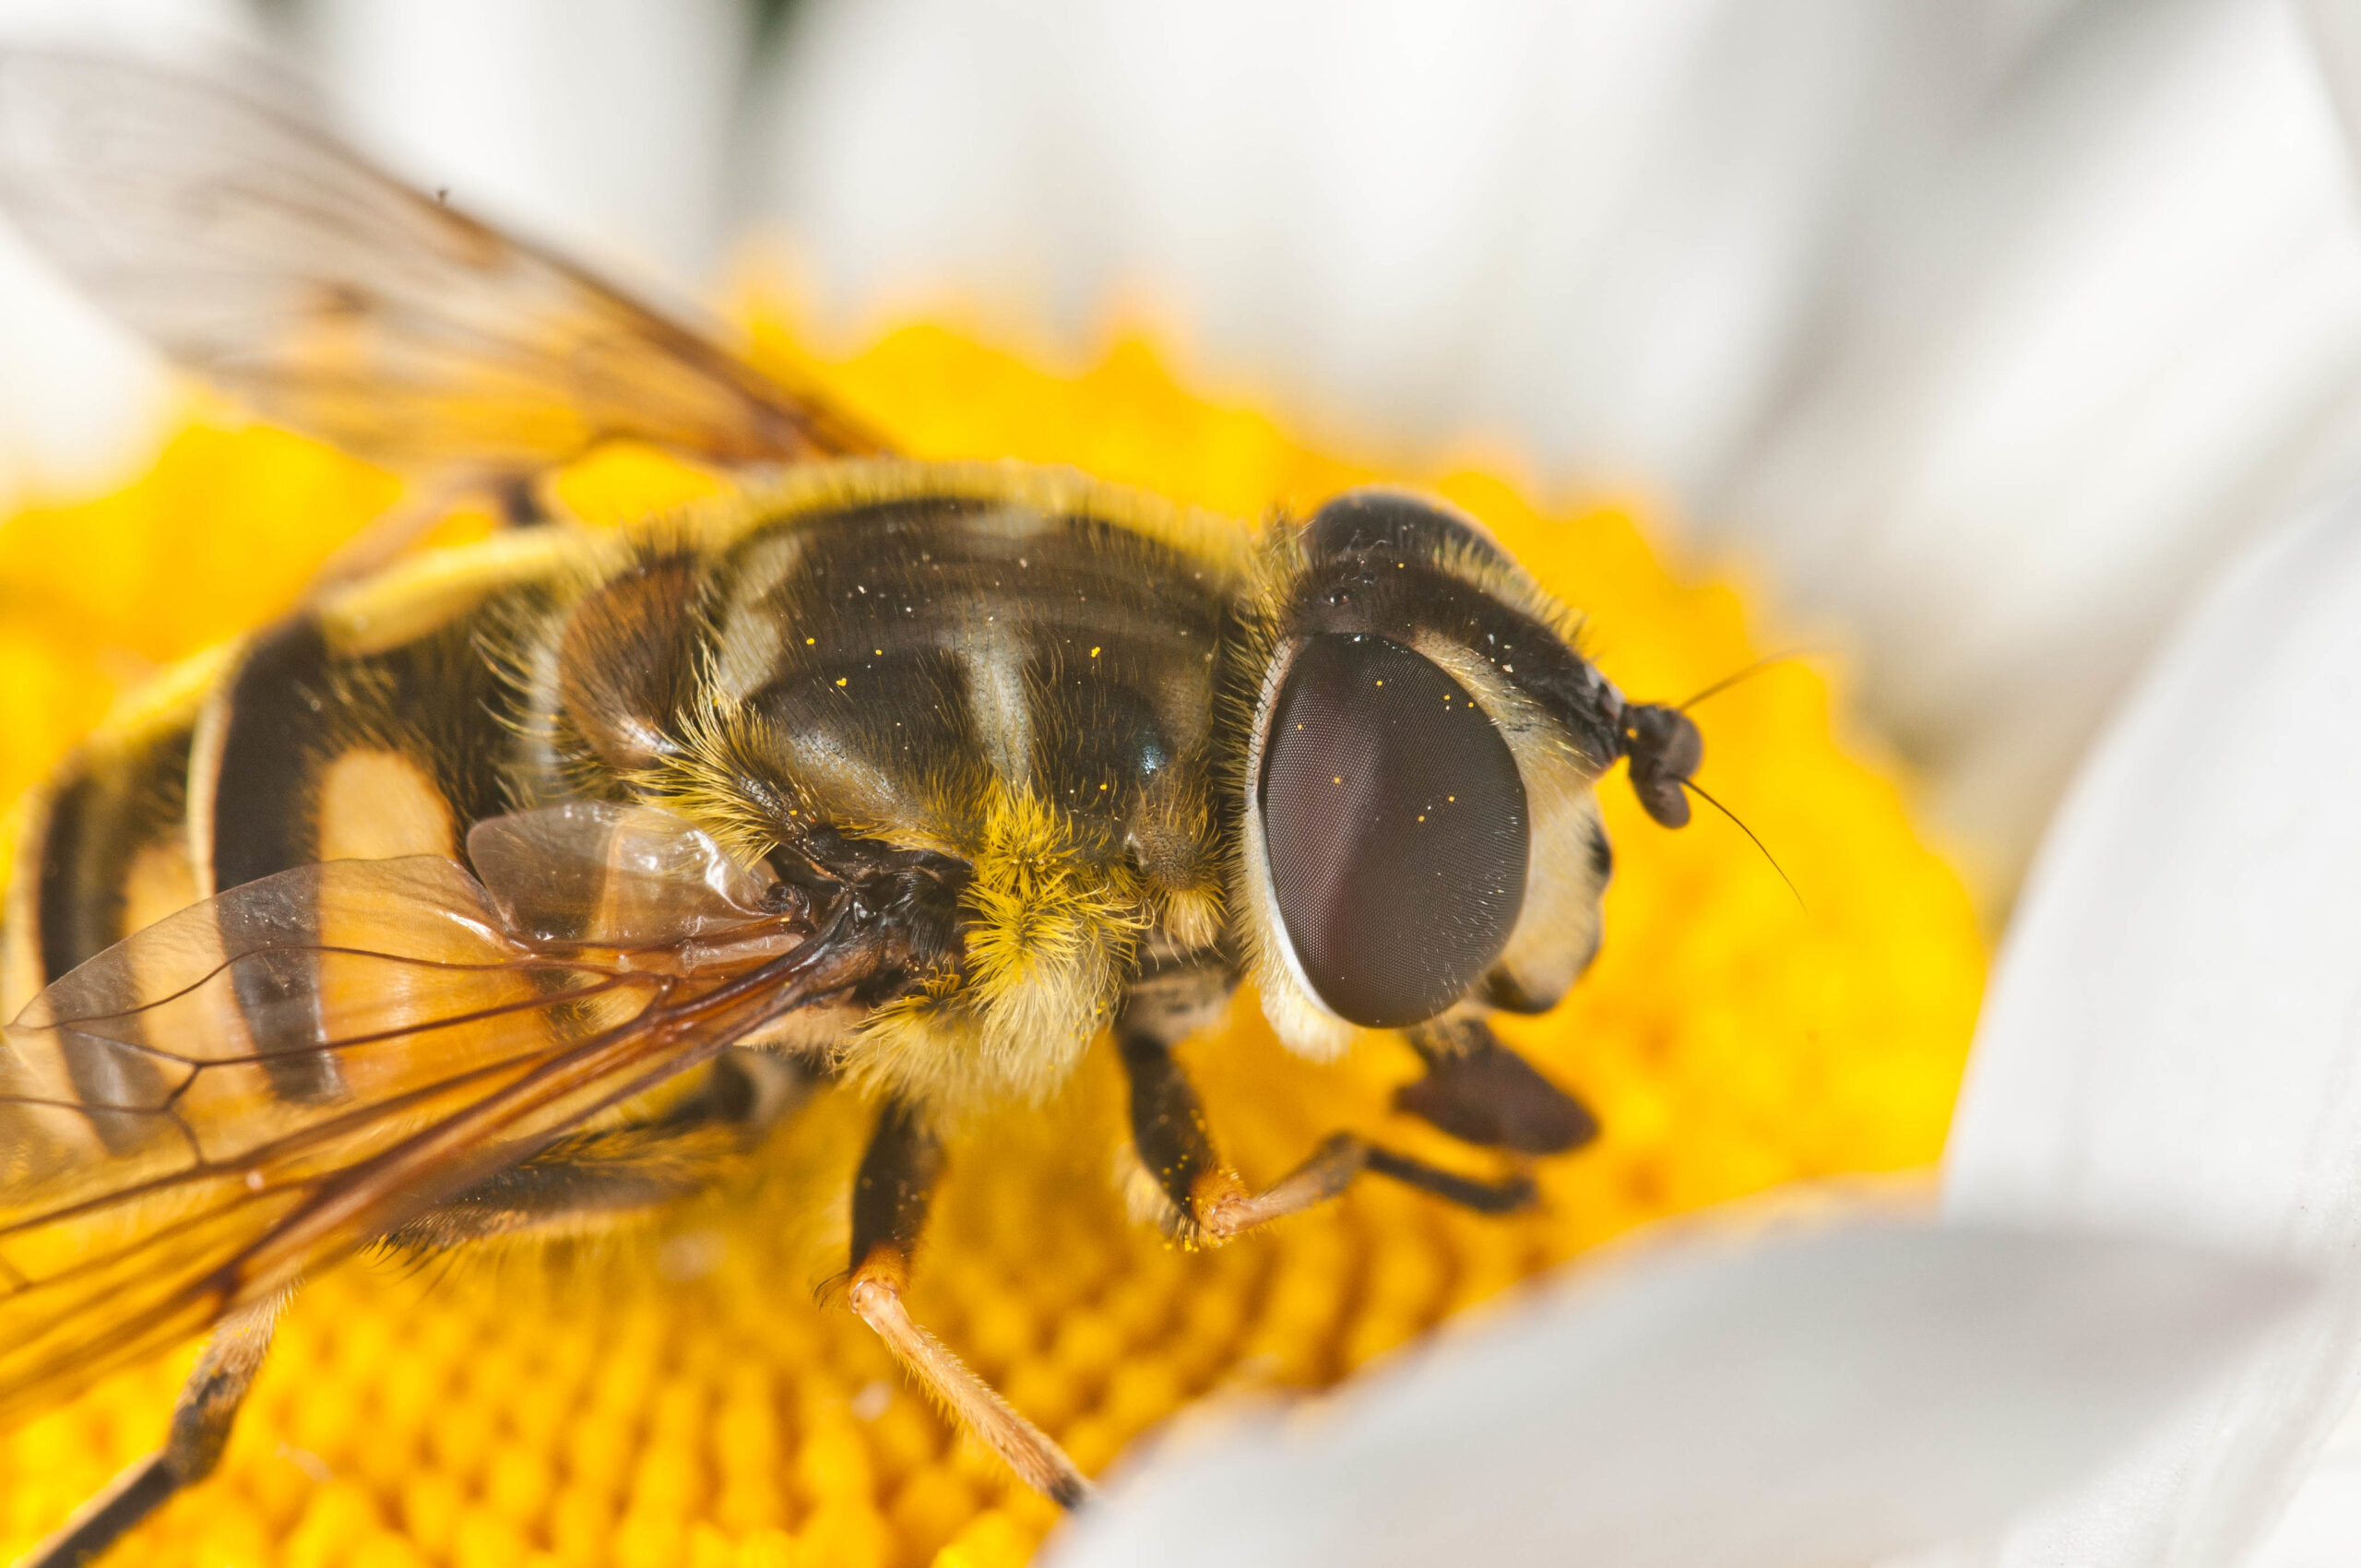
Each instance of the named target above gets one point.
<point>1394,823</point>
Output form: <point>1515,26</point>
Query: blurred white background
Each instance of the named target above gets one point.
<point>1982,330</point>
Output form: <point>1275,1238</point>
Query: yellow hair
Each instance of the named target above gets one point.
<point>1051,927</point>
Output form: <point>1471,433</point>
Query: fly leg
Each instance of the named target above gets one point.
<point>201,1421</point>
<point>1480,1091</point>
<point>1205,1200</point>
<point>586,1179</point>
<point>889,1208</point>
<point>519,500</point>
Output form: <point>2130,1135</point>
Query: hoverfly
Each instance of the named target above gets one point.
<point>509,888</point>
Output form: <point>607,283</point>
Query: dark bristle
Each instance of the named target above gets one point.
<point>1690,784</point>
<point>1747,673</point>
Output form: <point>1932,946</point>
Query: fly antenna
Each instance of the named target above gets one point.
<point>1692,787</point>
<point>1727,682</point>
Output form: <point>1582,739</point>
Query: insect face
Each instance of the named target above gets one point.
<point>1420,825</point>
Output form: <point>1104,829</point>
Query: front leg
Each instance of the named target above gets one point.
<point>889,1207</point>
<point>1482,1092</point>
<point>1204,1200</point>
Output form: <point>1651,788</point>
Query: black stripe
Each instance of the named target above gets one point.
<point>95,828</point>
<point>110,807</point>
<point>262,820</point>
<point>66,901</point>
<point>1400,594</point>
<point>263,824</point>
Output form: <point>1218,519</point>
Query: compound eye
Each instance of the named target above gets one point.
<point>1394,823</point>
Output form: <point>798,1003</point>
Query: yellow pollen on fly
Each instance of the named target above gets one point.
<point>679,1395</point>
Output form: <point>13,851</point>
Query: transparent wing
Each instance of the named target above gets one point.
<point>263,254</point>
<point>282,1074</point>
<point>595,872</point>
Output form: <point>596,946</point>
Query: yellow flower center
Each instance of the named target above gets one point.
<point>680,1395</point>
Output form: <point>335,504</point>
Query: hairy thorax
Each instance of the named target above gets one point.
<point>1012,670</point>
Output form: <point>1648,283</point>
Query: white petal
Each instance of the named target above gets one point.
<point>1798,1401</point>
<point>2060,382</point>
<point>2173,1039</point>
<point>1588,225</point>
<point>158,27</point>
<point>79,399</point>
<point>602,125</point>
<point>2335,29</point>
<point>2323,1526</point>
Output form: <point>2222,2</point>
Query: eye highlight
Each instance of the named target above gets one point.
<point>1395,825</point>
